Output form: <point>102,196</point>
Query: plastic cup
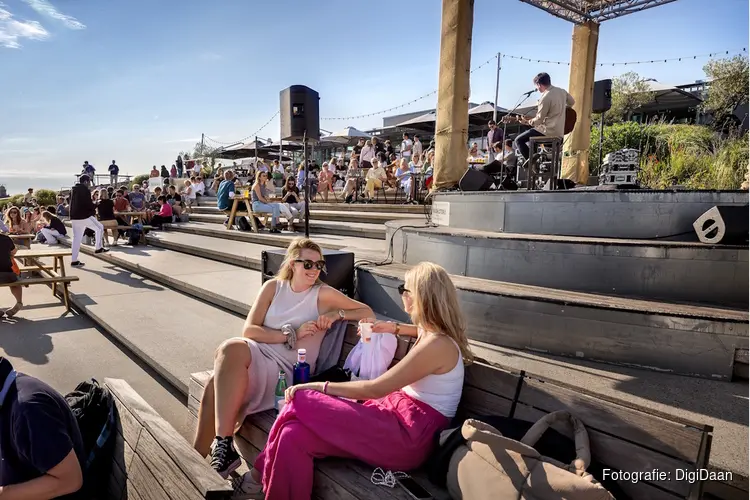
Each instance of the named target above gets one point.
<point>365,330</point>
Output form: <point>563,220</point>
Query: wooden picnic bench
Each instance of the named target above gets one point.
<point>23,239</point>
<point>31,261</point>
<point>249,213</point>
<point>152,460</point>
<point>623,436</point>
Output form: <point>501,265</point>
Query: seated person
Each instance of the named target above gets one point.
<point>505,159</point>
<point>15,223</point>
<point>138,201</point>
<point>225,194</point>
<point>41,451</point>
<point>403,174</point>
<point>246,369</point>
<point>188,196</point>
<point>374,179</point>
<point>165,213</point>
<point>154,172</point>
<point>261,199</point>
<point>404,409</point>
<point>53,228</point>
<point>121,203</point>
<point>325,182</point>
<point>8,275</point>
<point>352,174</point>
<point>62,210</point>
<point>105,212</point>
<point>175,200</point>
<point>290,196</point>
<point>198,185</point>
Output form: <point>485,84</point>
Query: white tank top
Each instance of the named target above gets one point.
<point>290,307</point>
<point>442,392</point>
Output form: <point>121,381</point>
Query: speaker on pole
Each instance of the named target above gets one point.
<point>299,113</point>
<point>602,96</point>
<point>723,224</point>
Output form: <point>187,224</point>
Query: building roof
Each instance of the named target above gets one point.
<point>581,11</point>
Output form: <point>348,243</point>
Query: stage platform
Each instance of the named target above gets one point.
<point>647,269</point>
<point>636,214</point>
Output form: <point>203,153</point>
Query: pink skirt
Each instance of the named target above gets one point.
<point>396,432</point>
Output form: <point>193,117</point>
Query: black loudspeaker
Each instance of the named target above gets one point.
<point>475,180</point>
<point>602,96</point>
<point>725,224</point>
<point>339,268</point>
<point>299,113</point>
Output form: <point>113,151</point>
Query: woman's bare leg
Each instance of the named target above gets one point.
<point>231,363</point>
<point>204,433</point>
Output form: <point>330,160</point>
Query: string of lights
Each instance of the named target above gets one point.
<point>254,134</point>
<point>633,63</point>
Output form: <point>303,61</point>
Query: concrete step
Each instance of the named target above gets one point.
<point>238,253</point>
<point>673,338</point>
<point>368,248</point>
<point>362,230</point>
<point>336,215</point>
<point>673,271</point>
<point>720,404</point>
<point>379,206</point>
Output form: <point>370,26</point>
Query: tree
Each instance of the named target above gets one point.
<point>629,92</point>
<point>727,90</point>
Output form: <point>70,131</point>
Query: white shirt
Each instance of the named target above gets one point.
<point>199,187</point>
<point>406,148</point>
<point>417,148</point>
<point>367,153</point>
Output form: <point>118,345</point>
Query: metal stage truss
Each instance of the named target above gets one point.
<point>582,11</point>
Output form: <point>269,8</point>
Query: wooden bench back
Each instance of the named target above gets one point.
<point>622,436</point>
<point>152,460</point>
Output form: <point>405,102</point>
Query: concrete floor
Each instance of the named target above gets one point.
<point>65,349</point>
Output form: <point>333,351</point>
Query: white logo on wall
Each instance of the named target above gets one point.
<point>441,213</point>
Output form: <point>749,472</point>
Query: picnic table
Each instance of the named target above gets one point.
<point>243,196</point>
<point>31,261</point>
<point>22,238</point>
<point>136,216</point>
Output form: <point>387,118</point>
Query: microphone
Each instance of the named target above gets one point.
<point>527,94</point>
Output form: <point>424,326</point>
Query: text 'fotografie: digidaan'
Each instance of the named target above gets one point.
<point>691,476</point>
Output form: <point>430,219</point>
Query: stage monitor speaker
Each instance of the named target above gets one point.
<point>339,268</point>
<point>475,180</point>
<point>602,96</point>
<point>299,111</point>
<point>723,224</point>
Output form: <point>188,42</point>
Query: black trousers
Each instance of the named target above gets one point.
<point>522,141</point>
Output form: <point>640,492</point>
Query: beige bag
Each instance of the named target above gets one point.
<point>490,466</point>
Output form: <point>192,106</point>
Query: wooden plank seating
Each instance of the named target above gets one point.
<point>152,460</point>
<point>30,261</point>
<point>22,239</point>
<point>622,436</point>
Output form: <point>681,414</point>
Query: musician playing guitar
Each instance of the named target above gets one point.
<point>550,114</point>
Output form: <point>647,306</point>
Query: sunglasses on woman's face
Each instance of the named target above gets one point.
<point>402,289</point>
<point>320,265</point>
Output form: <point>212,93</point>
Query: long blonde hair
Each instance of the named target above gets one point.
<point>436,304</point>
<point>293,252</point>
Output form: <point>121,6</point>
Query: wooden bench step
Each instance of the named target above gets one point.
<point>47,280</point>
<point>27,269</point>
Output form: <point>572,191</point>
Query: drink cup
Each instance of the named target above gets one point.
<point>365,330</point>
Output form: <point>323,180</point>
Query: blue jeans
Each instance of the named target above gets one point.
<point>268,208</point>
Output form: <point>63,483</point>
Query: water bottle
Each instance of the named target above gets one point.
<point>301,368</point>
<point>279,401</point>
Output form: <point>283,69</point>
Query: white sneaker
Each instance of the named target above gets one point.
<point>246,488</point>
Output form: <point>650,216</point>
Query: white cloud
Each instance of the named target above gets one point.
<point>192,139</point>
<point>49,10</point>
<point>12,31</point>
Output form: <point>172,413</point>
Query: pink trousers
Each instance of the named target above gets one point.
<point>395,432</point>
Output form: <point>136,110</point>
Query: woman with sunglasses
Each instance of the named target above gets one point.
<point>16,224</point>
<point>292,311</point>
<point>403,410</point>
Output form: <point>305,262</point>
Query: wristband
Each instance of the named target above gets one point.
<point>398,329</point>
<point>291,336</point>
<point>325,388</point>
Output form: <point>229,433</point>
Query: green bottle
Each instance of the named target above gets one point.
<point>280,390</point>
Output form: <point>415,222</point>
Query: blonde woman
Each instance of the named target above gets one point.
<point>352,174</point>
<point>260,196</point>
<point>403,410</point>
<point>375,179</point>
<point>246,369</point>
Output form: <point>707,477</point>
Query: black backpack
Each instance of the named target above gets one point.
<point>94,408</point>
<point>243,224</point>
<point>134,236</point>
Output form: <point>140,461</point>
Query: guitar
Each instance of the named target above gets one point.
<point>570,119</point>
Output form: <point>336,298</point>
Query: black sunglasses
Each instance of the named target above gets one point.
<point>402,289</point>
<point>320,265</point>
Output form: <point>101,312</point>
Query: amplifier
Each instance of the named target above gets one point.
<point>339,268</point>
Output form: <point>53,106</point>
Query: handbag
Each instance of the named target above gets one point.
<point>490,465</point>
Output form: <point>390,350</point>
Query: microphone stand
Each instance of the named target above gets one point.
<point>505,125</point>
<point>307,185</point>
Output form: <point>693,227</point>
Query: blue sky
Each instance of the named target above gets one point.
<point>137,81</point>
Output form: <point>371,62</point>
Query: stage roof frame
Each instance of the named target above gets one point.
<point>582,11</point>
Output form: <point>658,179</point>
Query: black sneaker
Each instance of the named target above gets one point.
<point>224,458</point>
<point>102,250</point>
<point>274,230</point>
<point>77,263</point>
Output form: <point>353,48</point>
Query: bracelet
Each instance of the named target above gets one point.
<point>398,329</point>
<point>325,388</point>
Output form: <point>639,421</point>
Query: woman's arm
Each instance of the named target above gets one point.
<point>331,301</point>
<point>405,329</point>
<point>429,356</point>
<point>254,328</point>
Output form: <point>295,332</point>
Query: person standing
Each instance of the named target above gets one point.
<point>495,135</point>
<point>113,171</point>
<point>366,155</point>
<point>82,217</point>
<point>406,148</point>
<point>179,164</point>
<point>417,148</point>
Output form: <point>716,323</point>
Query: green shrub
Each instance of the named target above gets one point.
<point>138,179</point>
<point>17,200</point>
<point>45,197</point>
